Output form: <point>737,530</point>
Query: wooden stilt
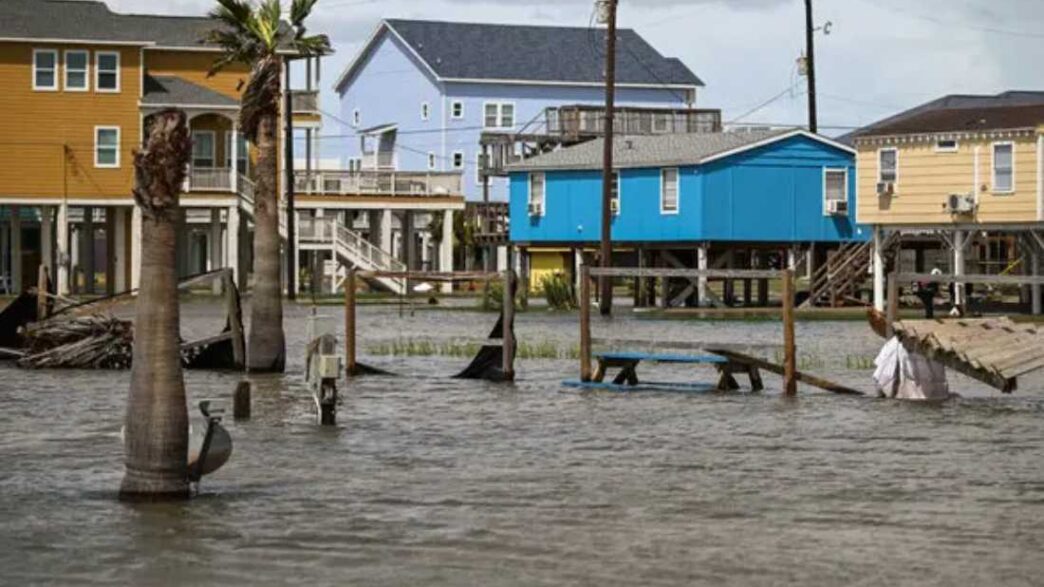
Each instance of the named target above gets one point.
<point>892,313</point>
<point>235,319</point>
<point>509,325</point>
<point>762,293</point>
<point>43,286</point>
<point>241,401</point>
<point>789,347</point>
<point>349,323</point>
<point>585,324</point>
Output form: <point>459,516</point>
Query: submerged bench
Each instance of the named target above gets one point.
<point>627,363</point>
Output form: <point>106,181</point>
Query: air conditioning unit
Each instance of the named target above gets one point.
<point>614,206</point>
<point>536,209</point>
<point>960,204</point>
<point>885,188</point>
<point>837,207</point>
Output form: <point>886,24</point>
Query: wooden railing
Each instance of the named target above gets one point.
<point>210,179</point>
<point>393,183</point>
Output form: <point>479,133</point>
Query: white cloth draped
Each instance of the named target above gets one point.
<point>905,375</point>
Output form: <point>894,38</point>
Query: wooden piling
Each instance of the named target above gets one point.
<point>43,286</point>
<point>585,324</point>
<point>349,323</point>
<point>509,325</point>
<point>892,309</point>
<point>241,401</point>
<point>235,319</point>
<point>789,347</point>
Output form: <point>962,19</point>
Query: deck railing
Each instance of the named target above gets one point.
<point>392,183</point>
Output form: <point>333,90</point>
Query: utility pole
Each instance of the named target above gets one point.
<point>291,215</point>
<point>810,64</point>
<point>605,283</point>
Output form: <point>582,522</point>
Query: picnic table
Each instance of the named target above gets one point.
<point>627,363</point>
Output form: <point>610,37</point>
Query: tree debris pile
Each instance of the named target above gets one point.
<point>84,342</point>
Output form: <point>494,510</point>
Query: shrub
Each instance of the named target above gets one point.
<point>558,291</point>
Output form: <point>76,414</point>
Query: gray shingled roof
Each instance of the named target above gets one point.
<point>647,150</point>
<point>456,50</point>
<point>169,90</point>
<point>85,20</point>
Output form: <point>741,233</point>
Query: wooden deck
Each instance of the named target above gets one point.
<point>995,351</point>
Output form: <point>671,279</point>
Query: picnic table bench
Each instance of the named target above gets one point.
<point>627,363</point>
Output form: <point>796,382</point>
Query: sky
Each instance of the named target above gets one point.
<point>880,56</point>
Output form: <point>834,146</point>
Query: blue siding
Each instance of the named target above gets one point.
<point>770,194</point>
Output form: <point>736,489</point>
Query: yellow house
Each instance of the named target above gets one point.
<point>79,81</point>
<point>967,170</point>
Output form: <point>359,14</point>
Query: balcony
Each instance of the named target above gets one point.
<point>210,179</point>
<point>384,183</point>
<point>581,122</point>
<point>304,101</point>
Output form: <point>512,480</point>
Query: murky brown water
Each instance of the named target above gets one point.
<point>438,482</point>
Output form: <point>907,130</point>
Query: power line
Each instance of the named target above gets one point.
<point>954,23</point>
<point>765,103</point>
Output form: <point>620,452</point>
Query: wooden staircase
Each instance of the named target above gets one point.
<point>837,281</point>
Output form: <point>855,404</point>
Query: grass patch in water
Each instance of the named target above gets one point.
<point>407,347</point>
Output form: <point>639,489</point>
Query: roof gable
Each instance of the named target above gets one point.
<point>453,51</point>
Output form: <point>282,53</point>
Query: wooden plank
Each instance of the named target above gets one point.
<point>235,319</point>
<point>349,323</point>
<point>1006,385</point>
<point>447,276</point>
<point>778,370</point>
<point>650,272</point>
<point>585,323</point>
<point>206,341</point>
<point>976,279</point>
<point>646,386</point>
<point>789,345</point>
<point>1023,368</point>
<point>659,357</point>
<point>892,299</point>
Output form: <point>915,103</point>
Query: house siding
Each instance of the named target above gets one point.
<point>192,66</point>
<point>770,194</point>
<point>926,178</point>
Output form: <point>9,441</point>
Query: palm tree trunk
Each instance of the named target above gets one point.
<point>156,429</point>
<point>266,345</point>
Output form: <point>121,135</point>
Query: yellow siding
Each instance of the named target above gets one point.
<point>926,178</point>
<point>192,66</point>
<point>39,126</point>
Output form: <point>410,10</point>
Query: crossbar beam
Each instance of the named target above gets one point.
<point>689,273</point>
<point>984,279</point>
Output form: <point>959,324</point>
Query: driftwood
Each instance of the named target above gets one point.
<point>86,342</point>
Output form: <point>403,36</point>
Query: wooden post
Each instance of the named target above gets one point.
<point>585,323</point>
<point>789,349</point>
<point>509,325</point>
<point>42,289</point>
<point>349,323</point>
<point>893,305</point>
<point>241,401</point>
<point>235,319</point>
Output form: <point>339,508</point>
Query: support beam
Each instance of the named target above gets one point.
<point>214,256</point>
<point>877,261</point>
<point>61,229</point>
<point>446,248</point>
<point>47,239</point>
<point>120,244</point>
<point>386,231</point>
<point>959,243</point>
<point>789,344</point>
<point>16,248</point>
<point>136,222</point>
<point>585,324</point>
<point>232,244</point>
<point>349,323</point>
<point>702,254</point>
<point>1035,288</point>
<point>508,366</point>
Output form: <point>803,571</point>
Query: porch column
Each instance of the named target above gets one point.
<point>214,244</point>
<point>702,254</point>
<point>446,248</point>
<point>792,258</point>
<point>234,179</point>
<point>386,231</point>
<point>879,276</point>
<point>119,253</point>
<point>1035,288</point>
<point>502,258</point>
<point>295,262</point>
<point>136,222</point>
<point>86,250</point>
<point>810,261</point>
<point>959,237</point>
<point>47,240</point>
<point>16,249</point>
<point>232,243</point>
<point>61,229</point>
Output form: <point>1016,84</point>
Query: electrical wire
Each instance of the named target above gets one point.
<point>790,88</point>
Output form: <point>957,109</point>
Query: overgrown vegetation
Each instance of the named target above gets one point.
<point>408,347</point>
<point>558,291</point>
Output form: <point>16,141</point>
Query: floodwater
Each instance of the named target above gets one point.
<point>430,481</point>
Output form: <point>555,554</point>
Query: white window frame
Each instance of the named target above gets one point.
<point>993,167</point>
<point>98,164</point>
<point>478,167</point>
<point>453,110</point>
<point>86,70</point>
<point>955,148</point>
<point>499,105</point>
<point>543,195</point>
<point>619,193</point>
<point>880,151</point>
<point>57,70</point>
<point>663,190</point>
<point>213,148</point>
<point>356,118</point>
<point>98,71</point>
<point>458,159</point>
<point>844,186</point>
<point>432,161</point>
<point>241,154</point>
<point>425,111</point>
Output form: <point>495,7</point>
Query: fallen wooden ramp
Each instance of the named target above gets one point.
<point>806,378</point>
<point>995,351</point>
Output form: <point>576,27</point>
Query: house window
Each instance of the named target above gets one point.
<point>499,115</point>
<point>946,146</point>
<point>107,71</point>
<point>537,185</point>
<point>425,111</point>
<point>835,192</point>
<point>356,118</point>
<point>458,160</point>
<point>242,153</point>
<point>1003,167</point>
<point>431,160</point>
<point>887,165</point>
<point>203,149</point>
<point>457,109</point>
<point>107,146</point>
<point>45,69</point>
<point>354,164</point>
<point>669,191</point>
<point>614,193</point>
<point>76,71</point>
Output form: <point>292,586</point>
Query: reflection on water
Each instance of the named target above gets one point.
<point>431,481</point>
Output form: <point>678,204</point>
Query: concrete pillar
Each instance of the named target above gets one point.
<point>959,237</point>
<point>61,229</point>
<point>232,243</point>
<point>214,253</point>
<point>502,258</point>
<point>409,249</point>
<point>16,249</point>
<point>425,251</point>
<point>810,261</point>
<point>702,260</point>
<point>386,231</point>
<point>446,247</point>
<point>879,269</point>
<point>120,246</point>
<point>136,222</point>
<point>1035,288</point>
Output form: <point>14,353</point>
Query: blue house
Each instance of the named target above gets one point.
<point>420,93</point>
<point>738,199</point>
